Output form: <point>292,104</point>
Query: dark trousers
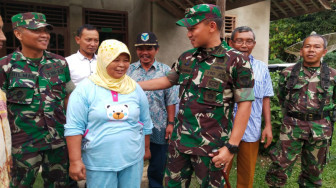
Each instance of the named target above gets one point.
<point>157,164</point>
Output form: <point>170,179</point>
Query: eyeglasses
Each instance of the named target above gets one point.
<point>247,42</point>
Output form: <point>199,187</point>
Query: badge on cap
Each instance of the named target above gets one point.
<point>144,37</point>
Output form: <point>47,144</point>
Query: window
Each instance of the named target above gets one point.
<point>230,25</point>
<point>56,16</point>
<point>110,24</point>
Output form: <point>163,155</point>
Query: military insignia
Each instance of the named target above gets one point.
<point>23,75</point>
<point>217,73</point>
<point>52,69</point>
<point>213,84</point>
<point>186,68</point>
<point>18,94</point>
<point>210,73</point>
<point>144,37</point>
<point>210,96</point>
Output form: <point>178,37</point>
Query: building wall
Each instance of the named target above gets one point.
<point>144,15</point>
<point>256,16</point>
<point>138,16</point>
<point>173,39</point>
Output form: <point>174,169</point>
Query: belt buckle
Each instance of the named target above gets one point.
<point>310,117</point>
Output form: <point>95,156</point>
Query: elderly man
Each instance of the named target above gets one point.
<point>307,95</point>
<point>161,102</point>
<point>83,63</point>
<point>243,40</point>
<point>35,82</point>
<point>212,77</point>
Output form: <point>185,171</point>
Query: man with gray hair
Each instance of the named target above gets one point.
<point>243,40</point>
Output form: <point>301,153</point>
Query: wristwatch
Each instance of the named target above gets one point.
<point>170,122</point>
<point>232,148</point>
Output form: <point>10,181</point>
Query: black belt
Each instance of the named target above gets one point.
<point>309,116</point>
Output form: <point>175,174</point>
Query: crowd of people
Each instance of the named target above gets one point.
<point>98,117</point>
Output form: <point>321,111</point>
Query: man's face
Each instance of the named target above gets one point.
<point>243,42</point>
<point>37,39</point>
<point>2,36</point>
<point>199,34</point>
<point>146,54</point>
<point>88,42</point>
<point>312,51</point>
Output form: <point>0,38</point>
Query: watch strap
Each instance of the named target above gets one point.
<point>232,148</point>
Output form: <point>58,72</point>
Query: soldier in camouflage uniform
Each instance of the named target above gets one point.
<point>212,77</point>
<point>307,94</point>
<point>35,83</point>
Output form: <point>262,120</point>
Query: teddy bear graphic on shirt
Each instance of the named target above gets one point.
<point>117,112</point>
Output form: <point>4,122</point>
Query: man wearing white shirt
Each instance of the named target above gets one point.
<point>83,63</point>
<point>243,40</point>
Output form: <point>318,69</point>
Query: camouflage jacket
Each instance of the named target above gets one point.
<point>35,97</point>
<point>211,81</point>
<point>306,98</point>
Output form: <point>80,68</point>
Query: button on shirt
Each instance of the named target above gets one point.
<point>35,99</point>
<point>158,100</point>
<point>262,88</point>
<point>81,67</point>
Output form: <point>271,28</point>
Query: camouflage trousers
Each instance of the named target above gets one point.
<point>180,167</point>
<point>288,148</point>
<point>55,168</point>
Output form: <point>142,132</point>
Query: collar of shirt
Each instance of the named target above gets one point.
<point>251,59</point>
<point>20,57</point>
<point>306,71</point>
<point>138,65</point>
<point>82,57</point>
<point>218,51</point>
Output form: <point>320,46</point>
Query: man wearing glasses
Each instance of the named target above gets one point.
<point>243,40</point>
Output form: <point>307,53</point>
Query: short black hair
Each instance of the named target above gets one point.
<point>242,29</point>
<point>85,26</point>
<point>218,21</point>
<point>325,42</point>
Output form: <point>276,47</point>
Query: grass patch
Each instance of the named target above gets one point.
<point>328,176</point>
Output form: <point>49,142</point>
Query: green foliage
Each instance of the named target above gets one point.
<point>282,35</point>
<point>276,113</point>
<point>275,61</point>
<point>330,58</point>
<point>288,31</point>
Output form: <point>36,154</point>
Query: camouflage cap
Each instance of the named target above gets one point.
<point>30,20</point>
<point>198,13</point>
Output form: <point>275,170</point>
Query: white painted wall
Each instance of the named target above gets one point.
<point>138,16</point>
<point>256,16</point>
<point>173,39</point>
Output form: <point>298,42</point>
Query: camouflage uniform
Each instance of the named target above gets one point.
<point>35,98</point>
<point>306,137</point>
<point>211,81</point>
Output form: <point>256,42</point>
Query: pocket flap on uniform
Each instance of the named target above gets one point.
<point>20,95</point>
<point>22,80</point>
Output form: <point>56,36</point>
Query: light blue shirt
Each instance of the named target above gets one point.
<point>115,129</point>
<point>262,88</point>
<point>158,99</point>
